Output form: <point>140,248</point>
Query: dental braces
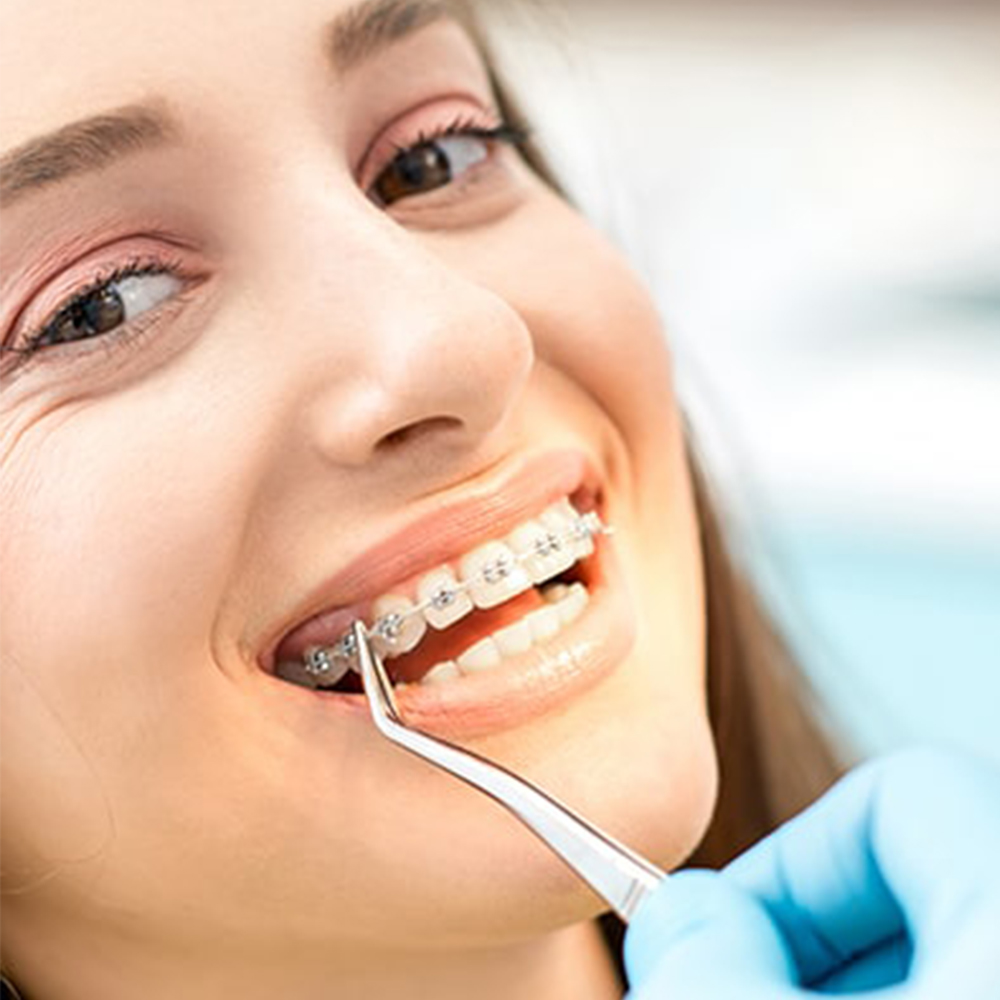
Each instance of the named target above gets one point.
<point>321,661</point>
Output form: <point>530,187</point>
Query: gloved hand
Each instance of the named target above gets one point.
<point>893,877</point>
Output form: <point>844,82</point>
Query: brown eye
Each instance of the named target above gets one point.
<point>99,312</point>
<point>429,165</point>
<point>414,171</point>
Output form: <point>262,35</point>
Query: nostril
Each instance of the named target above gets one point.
<point>413,432</point>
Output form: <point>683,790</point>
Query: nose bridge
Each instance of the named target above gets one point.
<point>401,341</point>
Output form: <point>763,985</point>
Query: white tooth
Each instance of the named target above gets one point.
<point>513,639</point>
<point>544,623</point>
<point>483,656</point>
<point>554,593</point>
<point>560,518</point>
<point>408,630</point>
<point>493,575</point>
<point>542,551</point>
<point>564,522</point>
<point>572,605</point>
<point>446,604</point>
<point>443,673</point>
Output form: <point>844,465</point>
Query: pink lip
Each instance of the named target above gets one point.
<point>451,528</point>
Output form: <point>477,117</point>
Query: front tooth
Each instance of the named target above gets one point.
<point>572,605</point>
<point>443,601</point>
<point>561,520</point>
<point>443,673</point>
<point>493,575</point>
<point>397,629</point>
<point>513,639</point>
<point>543,552</point>
<point>564,522</point>
<point>483,656</point>
<point>544,623</point>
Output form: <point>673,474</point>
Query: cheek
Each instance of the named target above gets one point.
<point>123,737</point>
<point>590,317</point>
<point>54,811</point>
<point>108,544</point>
<point>116,552</point>
<point>597,324</point>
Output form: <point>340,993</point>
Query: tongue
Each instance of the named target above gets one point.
<point>436,647</point>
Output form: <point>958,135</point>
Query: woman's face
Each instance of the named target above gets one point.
<point>263,366</point>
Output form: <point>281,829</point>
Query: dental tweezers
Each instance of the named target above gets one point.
<point>618,875</point>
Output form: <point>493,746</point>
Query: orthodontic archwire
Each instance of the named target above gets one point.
<point>321,661</point>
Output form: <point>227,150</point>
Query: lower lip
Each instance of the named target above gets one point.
<point>523,688</point>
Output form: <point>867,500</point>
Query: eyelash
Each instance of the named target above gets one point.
<point>471,126</point>
<point>505,133</point>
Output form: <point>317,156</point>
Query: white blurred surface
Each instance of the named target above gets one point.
<point>813,193</point>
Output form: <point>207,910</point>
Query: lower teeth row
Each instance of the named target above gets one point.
<point>563,606</point>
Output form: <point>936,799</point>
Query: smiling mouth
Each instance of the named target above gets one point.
<point>459,620</point>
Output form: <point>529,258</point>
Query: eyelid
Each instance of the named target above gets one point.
<point>417,125</point>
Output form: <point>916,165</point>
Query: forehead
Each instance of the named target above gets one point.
<point>62,59</point>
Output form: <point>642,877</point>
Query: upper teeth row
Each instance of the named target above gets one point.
<point>490,575</point>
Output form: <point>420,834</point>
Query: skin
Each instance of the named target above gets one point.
<point>174,822</point>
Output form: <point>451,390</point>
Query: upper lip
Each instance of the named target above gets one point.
<point>486,510</point>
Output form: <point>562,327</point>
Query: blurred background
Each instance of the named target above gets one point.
<point>812,191</point>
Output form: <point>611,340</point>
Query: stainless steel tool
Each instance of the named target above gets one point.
<point>617,874</point>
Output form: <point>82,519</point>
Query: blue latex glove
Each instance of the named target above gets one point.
<point>891,879</point>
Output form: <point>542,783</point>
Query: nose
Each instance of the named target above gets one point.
<point>399,345</point>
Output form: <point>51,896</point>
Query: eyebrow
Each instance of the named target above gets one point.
<point>354,36</point>
<point>366,29</point>
<point>82,147</point>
